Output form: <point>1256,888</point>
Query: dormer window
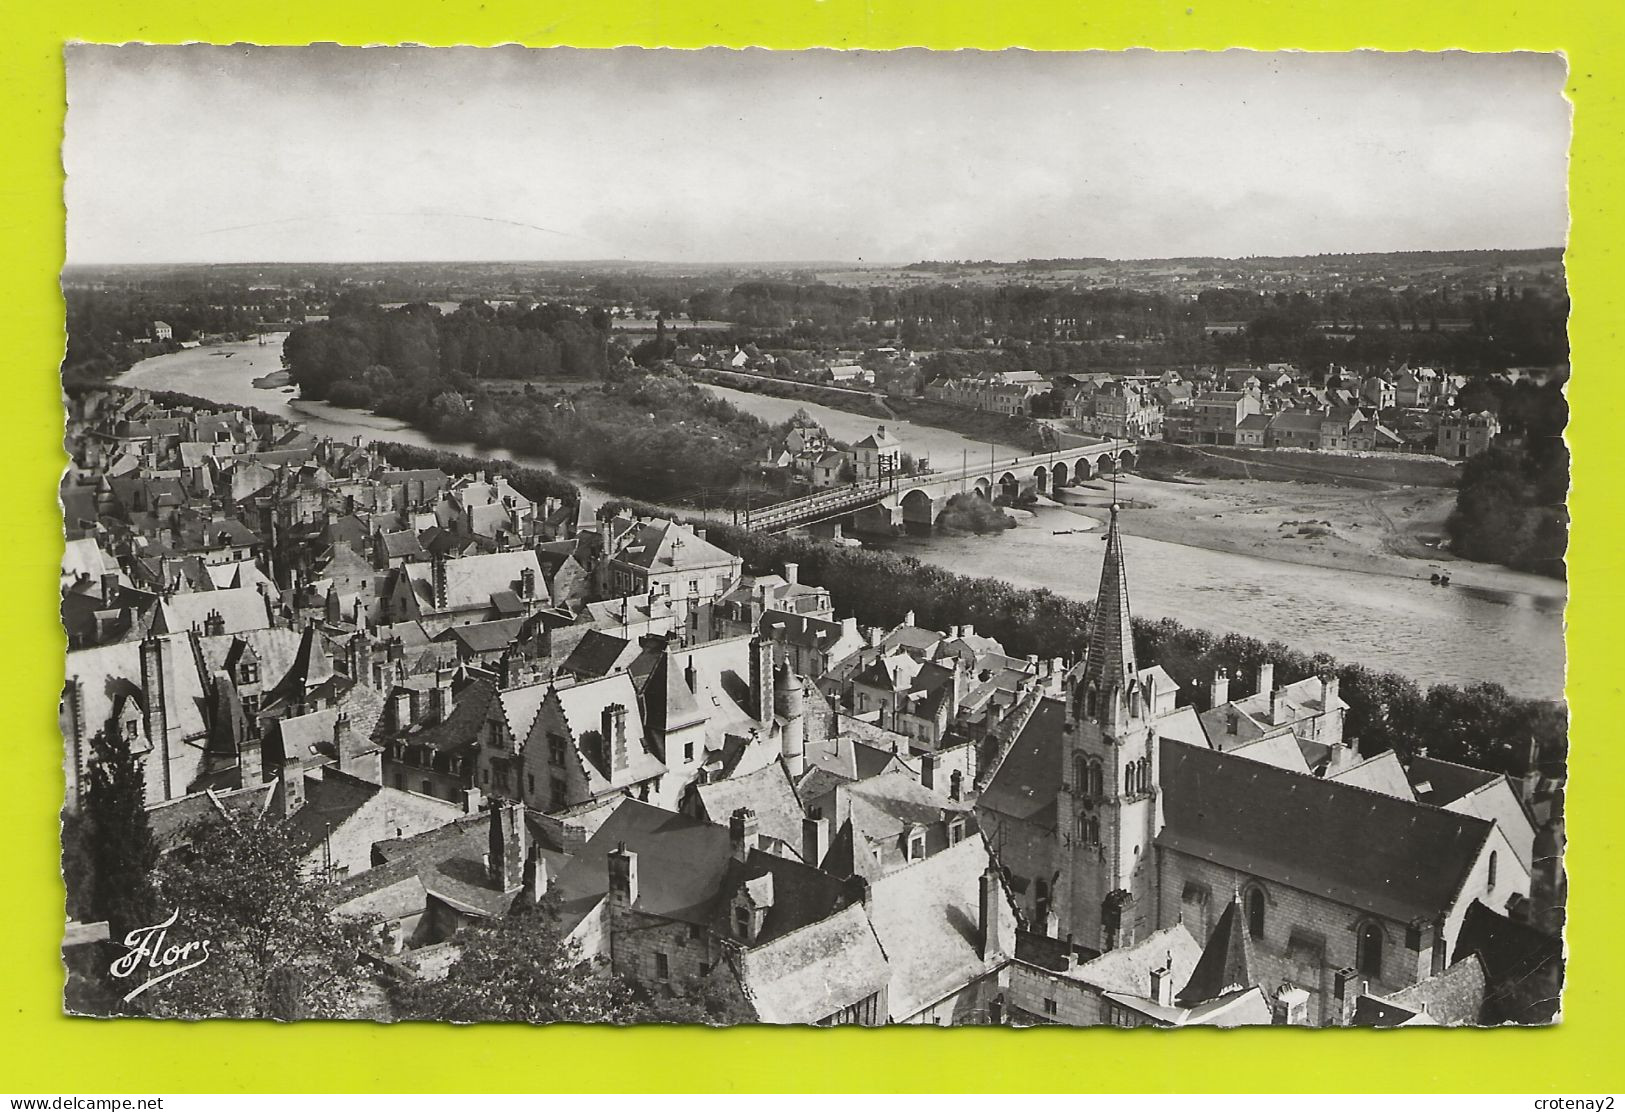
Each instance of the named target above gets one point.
<point>249,672</point>
<point>916,845</point>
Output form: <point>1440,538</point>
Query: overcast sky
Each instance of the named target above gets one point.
<point>330,154</point>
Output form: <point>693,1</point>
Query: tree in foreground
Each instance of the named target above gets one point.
<point>522,969</point>
<point>118,848</point>
<point>274,949</point>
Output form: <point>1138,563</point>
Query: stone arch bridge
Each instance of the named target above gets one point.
<point>883,505</point>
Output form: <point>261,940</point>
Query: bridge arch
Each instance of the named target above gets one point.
<point>919,509</point>
<point>1125,459</point>
<point>1057,477</point>
<point>1108,465</point>
<point>1083,469</point>
<point>1009,487</point>
<point>1041,479</point>
<point>984,487</point>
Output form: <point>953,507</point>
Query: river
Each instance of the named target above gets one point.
<point>1435,635</point>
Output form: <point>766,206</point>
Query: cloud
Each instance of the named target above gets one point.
<point>328,153</point>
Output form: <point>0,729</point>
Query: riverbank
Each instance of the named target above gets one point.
<point>1459,635</point>
<point>1392,532</point>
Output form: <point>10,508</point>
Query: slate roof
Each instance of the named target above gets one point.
<point>768,793</point>
<point>681,863</point>
<point>1227,964</point>
<point>927,917</point>
<point>1443,782</point>
<point>814,972</point>
<point>170,821</point>
<point>1451,997</point>
<point>800,629</point>
<point>519,707</point>
<point>598,654</point>
<point>1383,773</point>
<point>1027,780</point>
<point>484,637</point>
<point>472,581</point>
<point>1343,843</point>
<point>459,729</point>
<point>242,608</point>
<point>654,547</point>
<point>331,800</point>
<point>1128,969</point>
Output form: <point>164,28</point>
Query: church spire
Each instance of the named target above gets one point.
<point>1108,659</point>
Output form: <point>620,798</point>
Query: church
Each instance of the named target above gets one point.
<point>1114,815</point>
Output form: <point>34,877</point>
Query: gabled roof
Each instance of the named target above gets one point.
<point>598,654</point>
<point>927,919</point>
<point>662,546</point>
<point>1412,861</point>
<point>240,608</point>
<point>1382,773</point>
<point>815,972</point>
<point>681,863</point>
<point>1449,998</point>
<point>668,703</point>
<point>1025,785</point>
<point>485,637</point>
<point>768,792</point>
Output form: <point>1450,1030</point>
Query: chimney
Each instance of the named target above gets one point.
<point>791,572</point>
<point>874,635</point>
<point>967,630</point>
<point>623,877</point>
<point>290,790</point>
<point>908,619</point>
<point>1290,1007</point>
<point>527,583</point>
<point>1266,678</point>
<point>761,679</point>
<point>991,926</point>
<point>849,627</point>
<point>154,698</point>
<point>506,857</point>
<point>536,878</point>
<point>1221,688</point>
<point>1275,706</point>
<point>471,801</point>
<point>814,840</point>
<point>928,771</point>
<point>344,742</point>
<point>691,677</point>
<point>357,650</point>
<point>110,588</point>
<point>1162,983</point>
<point>1328,690</point>
<point>612,725</point>
<point>401,708</point>
<point>742,832</point>
<point>1232,719</point>
<point>1345,994</point>
<point>440,700</point>
<point>438,581</point>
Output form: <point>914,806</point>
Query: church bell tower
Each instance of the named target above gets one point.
<point>1108,810</point>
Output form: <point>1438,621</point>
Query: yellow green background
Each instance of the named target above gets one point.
<point>41,1051</point>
